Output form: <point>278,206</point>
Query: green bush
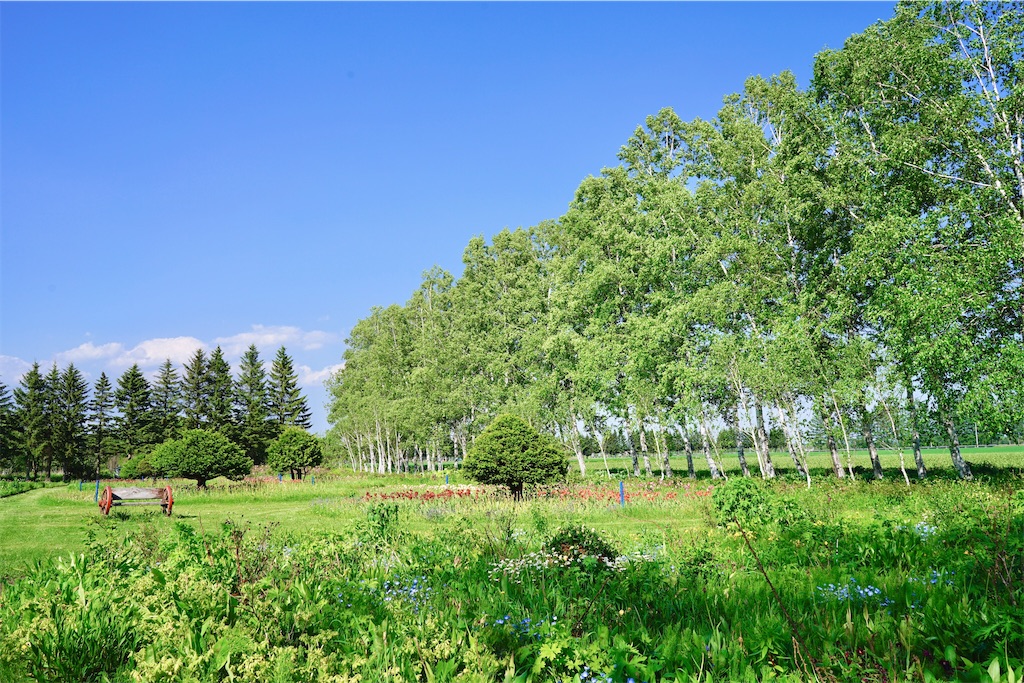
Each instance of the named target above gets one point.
<point>579,541</point>
<point>201,455</point>
<point>512,453</point>
<point>142,465</point>
<point>295,451</point>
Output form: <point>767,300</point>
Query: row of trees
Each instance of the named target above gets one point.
<point>53,421</point>
<point>849,254</point>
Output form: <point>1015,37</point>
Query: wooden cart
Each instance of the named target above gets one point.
<point>136,496</point>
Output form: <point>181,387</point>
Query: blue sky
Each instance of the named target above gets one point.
<point>178,175</point>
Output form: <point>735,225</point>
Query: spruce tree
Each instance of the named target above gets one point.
<point>195,391</point>
<point>135,428</point>
<point>167,403</point>
<point>222,390</point>
<point>287,404</point>
<point>29,398</point>
<point>252,407</point>
<point>50,416</point>
<point>9,432</point>
<point>101,424</point>
<point>72,397</point>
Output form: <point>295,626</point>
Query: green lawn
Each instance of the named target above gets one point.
<point>46,523</point>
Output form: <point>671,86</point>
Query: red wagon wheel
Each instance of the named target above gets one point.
<point>168,501</point>
<point>106,500</point>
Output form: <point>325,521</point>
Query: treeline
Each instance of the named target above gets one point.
<point>53,421</point>
<point>845,258</point>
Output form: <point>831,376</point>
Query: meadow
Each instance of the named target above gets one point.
<point>405,578</point>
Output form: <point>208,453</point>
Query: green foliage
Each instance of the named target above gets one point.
<point>580,540</point>
<point>878,578</point>
<point>146,464</point>
<point>201,455</point>
<point>295,451</point>
<point>509,452</point>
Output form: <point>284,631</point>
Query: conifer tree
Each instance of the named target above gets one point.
<point>195,391</point>
<point>72,397</point>
<point>50,412</point>
<point>167,402</point>
<point>135,427</point>
<point>221,388</point>
<point>101,424</point>
<point>252,407</point>
<point>31,417</point>
<point>9,432</point>
<point>287,404</point>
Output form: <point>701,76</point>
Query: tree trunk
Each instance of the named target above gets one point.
<point>632,453</point>
<point>739,442</point>
<point>643,449</point>
<point>918,458</point>
<point>790,439</point>
<point>767,466</point>
<point>826,419</point>
<point>869,438</point>
<point>577,446</point>
<point>666,463</point>
<point>962,468</point>
<point>688,450</point>
<point>705,438</point>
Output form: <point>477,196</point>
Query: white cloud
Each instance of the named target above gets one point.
<point>268,338</point>
<point>88,352</point>
<point>153,352</point>
<point>310,377</point>
<point>11,370</point>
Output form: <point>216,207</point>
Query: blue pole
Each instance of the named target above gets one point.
<point>97,498</point>
<point>312,481</point>
<point>446,480</point>
<point>622,494</point>
<point>79,484</point>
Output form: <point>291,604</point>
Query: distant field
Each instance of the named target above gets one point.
<point>45,523</point>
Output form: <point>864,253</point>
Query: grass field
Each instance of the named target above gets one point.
<point>402,578</point>
<point>46,523</point>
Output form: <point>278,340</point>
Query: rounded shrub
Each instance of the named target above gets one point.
<point>509,452</point>
<point>201,455</point>
<point>296,451</point>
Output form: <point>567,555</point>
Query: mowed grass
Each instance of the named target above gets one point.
<point>47,523</point>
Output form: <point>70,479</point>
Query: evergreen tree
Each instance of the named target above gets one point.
<point>31,418</point>
<point>72,398</point>
<point>9,432</point>
<point>50,413</point>
<point>101,424</point>
<point>287,404</point>
<point>195,391</point>
<point>135,428</point>
<point>221,388</point>
<point>252,407</point>
<point>167,403</point>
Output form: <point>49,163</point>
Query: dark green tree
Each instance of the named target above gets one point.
<point>10,440</point>
<point>135,427</point>
<point>509,452</point>
<point>287,404</point>
<point>72,401</point>
<point>51,411</point>
<point>195,391</point>
<point>29,400</point>
<point>222,393</point>
<point>101,424</point>
<point>295,451</point>
<point>167,402</point>
<point>200,455</point>
<point>255,430</point>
